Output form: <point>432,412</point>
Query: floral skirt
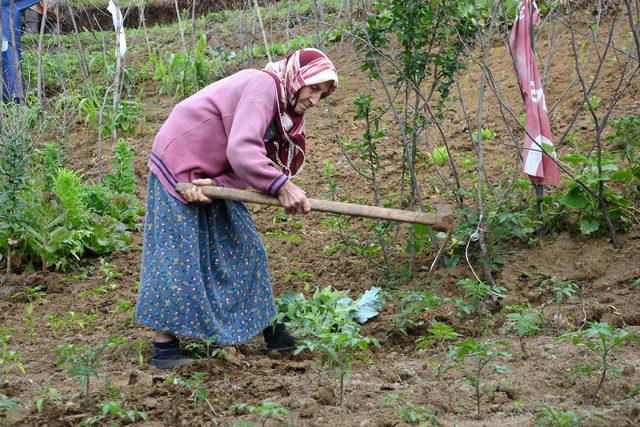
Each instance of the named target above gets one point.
<point>204,270</point>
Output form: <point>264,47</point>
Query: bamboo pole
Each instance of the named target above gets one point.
<point>443,220</point>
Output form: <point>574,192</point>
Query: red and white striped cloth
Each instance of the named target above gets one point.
<point>538,153</point>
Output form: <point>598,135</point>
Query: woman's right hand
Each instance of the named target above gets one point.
<point>293,199</point>
<point>194,194</point>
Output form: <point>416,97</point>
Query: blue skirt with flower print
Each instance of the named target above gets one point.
<point>204,270</point>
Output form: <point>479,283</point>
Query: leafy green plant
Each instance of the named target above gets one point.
<point>83,362</point>
<point>48,394</point>
<point>603,340</point>
<point>93,106</point>
<point>140,346</point>
<point>9,359</point>
<point>31,321</point>
<point>184,73</point>
<point>487,135</point>
<point>415,309</point>
<point>482,353</point>
<point>547,416</point>
<point>626,134</point>
<point>327,322</point>
<point>264,411</point>
<point>16,154</point>
<point>527,322</point>
<point>196,385</point>
<point>439,335</point>
<point>585,204</point>
<point>207,348</point>
<point>339,346</point>
<point>409,412</point>
<point>7,404</point>
<point>113,413</point>
<point>33,293</point>
<point>475,293</point>
<point>562,291</point>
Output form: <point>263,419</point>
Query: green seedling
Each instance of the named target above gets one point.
<point>482,353</point>
<point>81,319</point>
<point>7,404</point>
<point>547,416</point>
<point>527,323</point>
<point>30,320</point>
<point>439,335</point>
<point>35,293</point>
<point>48,394</point>
<point>108,274</point>
<point>298,278</point>
<point>563,290</point>
<point>264,411</point>
<point>83,362</point>
<point>284,235</point>
<point>196,385</point>
<point>326,324</point>
<point>604,341</point>
<point>409,412</point>
<point>9,359</point>
<point>416,308</point>
<point>439,155</point>
<point>55,323</point>
<point>339,348</point>
<point>475,293</point>
<point>487,135</point>
<point>122,306</point>
<point>207,348</point>
<point>113,413</point>
<point>99,290</point>
<point>140,346</point>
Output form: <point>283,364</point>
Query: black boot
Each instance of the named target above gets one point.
<point>168,355</point>
<point>277,338</point>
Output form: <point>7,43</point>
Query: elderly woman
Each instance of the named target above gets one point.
<point>204,268</point>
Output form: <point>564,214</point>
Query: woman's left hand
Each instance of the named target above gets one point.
<point>194,194</point>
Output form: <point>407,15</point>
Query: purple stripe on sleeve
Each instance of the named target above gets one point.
<point>274,182</point>
<point>169,178</point>
<point>164,169</point>
<point>280,186</point>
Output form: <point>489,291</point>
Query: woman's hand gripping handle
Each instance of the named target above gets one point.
<point>293,199</point>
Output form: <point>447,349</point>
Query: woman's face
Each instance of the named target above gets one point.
<point>309,96</point>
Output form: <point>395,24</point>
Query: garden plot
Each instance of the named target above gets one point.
<point>530,317</point>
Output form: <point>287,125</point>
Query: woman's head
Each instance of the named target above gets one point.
<point>307,75</point>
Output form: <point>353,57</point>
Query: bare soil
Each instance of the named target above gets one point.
<point>251,375</point>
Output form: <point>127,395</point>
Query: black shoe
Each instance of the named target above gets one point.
<point>169,356</point>
<point>277,338</point>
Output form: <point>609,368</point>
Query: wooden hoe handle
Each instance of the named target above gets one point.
<point>442,220</point>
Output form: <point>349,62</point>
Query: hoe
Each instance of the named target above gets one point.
<point>442,220</point>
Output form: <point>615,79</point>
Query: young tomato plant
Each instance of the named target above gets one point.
<point>547,416</point>
<point>439,335</point>
<point>197,387</point>
<point>482,353</point>
<point>114,412</point>
<point>604,341</point>
<point>526,321</point>
<point>409,412</point>
<point>265,411</point>
<point>83,362</point>
<point>9,359</point>
<point>339,348</point>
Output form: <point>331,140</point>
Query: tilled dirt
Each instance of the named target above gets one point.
<point>605,277</point>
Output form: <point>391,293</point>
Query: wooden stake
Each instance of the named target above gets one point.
<point>442,220</point>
